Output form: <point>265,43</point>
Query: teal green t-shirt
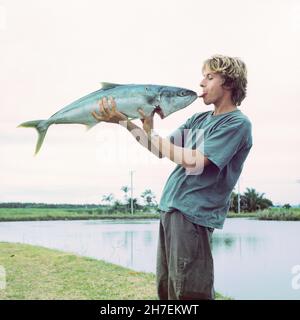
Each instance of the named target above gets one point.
<point>225,140</point>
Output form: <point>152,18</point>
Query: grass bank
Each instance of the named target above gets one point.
<point>280,214</point>
<point>39,273</point>
<point>242,215</point>
<point>34,273</point>
<point>31,214</point>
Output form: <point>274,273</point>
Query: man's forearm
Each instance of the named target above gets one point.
<point>161,147</point>
<point>188,158</point>
<point>141,136</point>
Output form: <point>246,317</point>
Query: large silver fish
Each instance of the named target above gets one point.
<point>163,100</point>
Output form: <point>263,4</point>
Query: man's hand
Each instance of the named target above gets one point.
<point>146,120</point>
<point>108,114</point>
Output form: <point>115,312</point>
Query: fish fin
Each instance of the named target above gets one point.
<point>109,85</point>
<point>41,126</point>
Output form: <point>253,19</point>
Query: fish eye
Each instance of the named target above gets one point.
<point>182,93</point>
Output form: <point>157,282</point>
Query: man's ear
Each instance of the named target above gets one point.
<point>226,85</point>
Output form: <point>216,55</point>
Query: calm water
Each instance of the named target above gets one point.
<point>253,259</point>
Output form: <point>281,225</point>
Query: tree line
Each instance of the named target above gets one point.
<point>250,201</point>
<point>148,201</point>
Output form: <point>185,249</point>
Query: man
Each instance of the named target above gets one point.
<point>196,197</point>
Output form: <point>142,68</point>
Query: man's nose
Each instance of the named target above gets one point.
<point>202,83</point>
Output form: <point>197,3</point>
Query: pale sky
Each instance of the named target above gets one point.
<point>54,52</point>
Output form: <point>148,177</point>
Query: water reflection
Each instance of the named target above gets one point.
<point>231,243</point>
<point>253,259</point>
<point>221,242</point>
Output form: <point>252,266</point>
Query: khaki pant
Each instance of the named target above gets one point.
<point>184,259</point>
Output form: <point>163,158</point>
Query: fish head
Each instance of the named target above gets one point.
<point>172,99</point>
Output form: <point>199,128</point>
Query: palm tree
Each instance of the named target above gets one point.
<point>134,203</point>
<point>108,198</point>
<point>255,201</point>
<point>148,197</point>
<point>233,202</point>
<point>125,189</point>
<point>118,206</point>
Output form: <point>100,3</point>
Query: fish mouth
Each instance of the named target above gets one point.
<point>159,111</point>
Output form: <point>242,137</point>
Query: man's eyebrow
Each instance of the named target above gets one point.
<point>206,75</point>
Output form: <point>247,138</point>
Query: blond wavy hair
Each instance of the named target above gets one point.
<point>234,72</point>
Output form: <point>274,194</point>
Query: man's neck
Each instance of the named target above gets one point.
<point>224,107</point>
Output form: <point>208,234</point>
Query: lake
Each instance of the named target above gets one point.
<point>253,259</point>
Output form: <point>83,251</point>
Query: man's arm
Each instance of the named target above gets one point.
<point>114,116</point>
<point>188,158</point>
<point>141,137</point>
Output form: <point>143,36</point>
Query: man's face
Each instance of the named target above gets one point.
<point>211,85</point>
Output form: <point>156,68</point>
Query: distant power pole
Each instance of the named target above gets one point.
<point>239,198</point>
<point>131,190</point>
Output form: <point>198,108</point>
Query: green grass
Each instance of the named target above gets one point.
<point>26,214</point>
<point>39,273</point>
<point>34,273</point>
<point>280,214</point>
<point>29,214</point>
<point>241,215</point>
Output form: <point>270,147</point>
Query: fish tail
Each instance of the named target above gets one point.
<point>41,126</point>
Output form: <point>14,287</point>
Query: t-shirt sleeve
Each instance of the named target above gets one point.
<point>224,142</point>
